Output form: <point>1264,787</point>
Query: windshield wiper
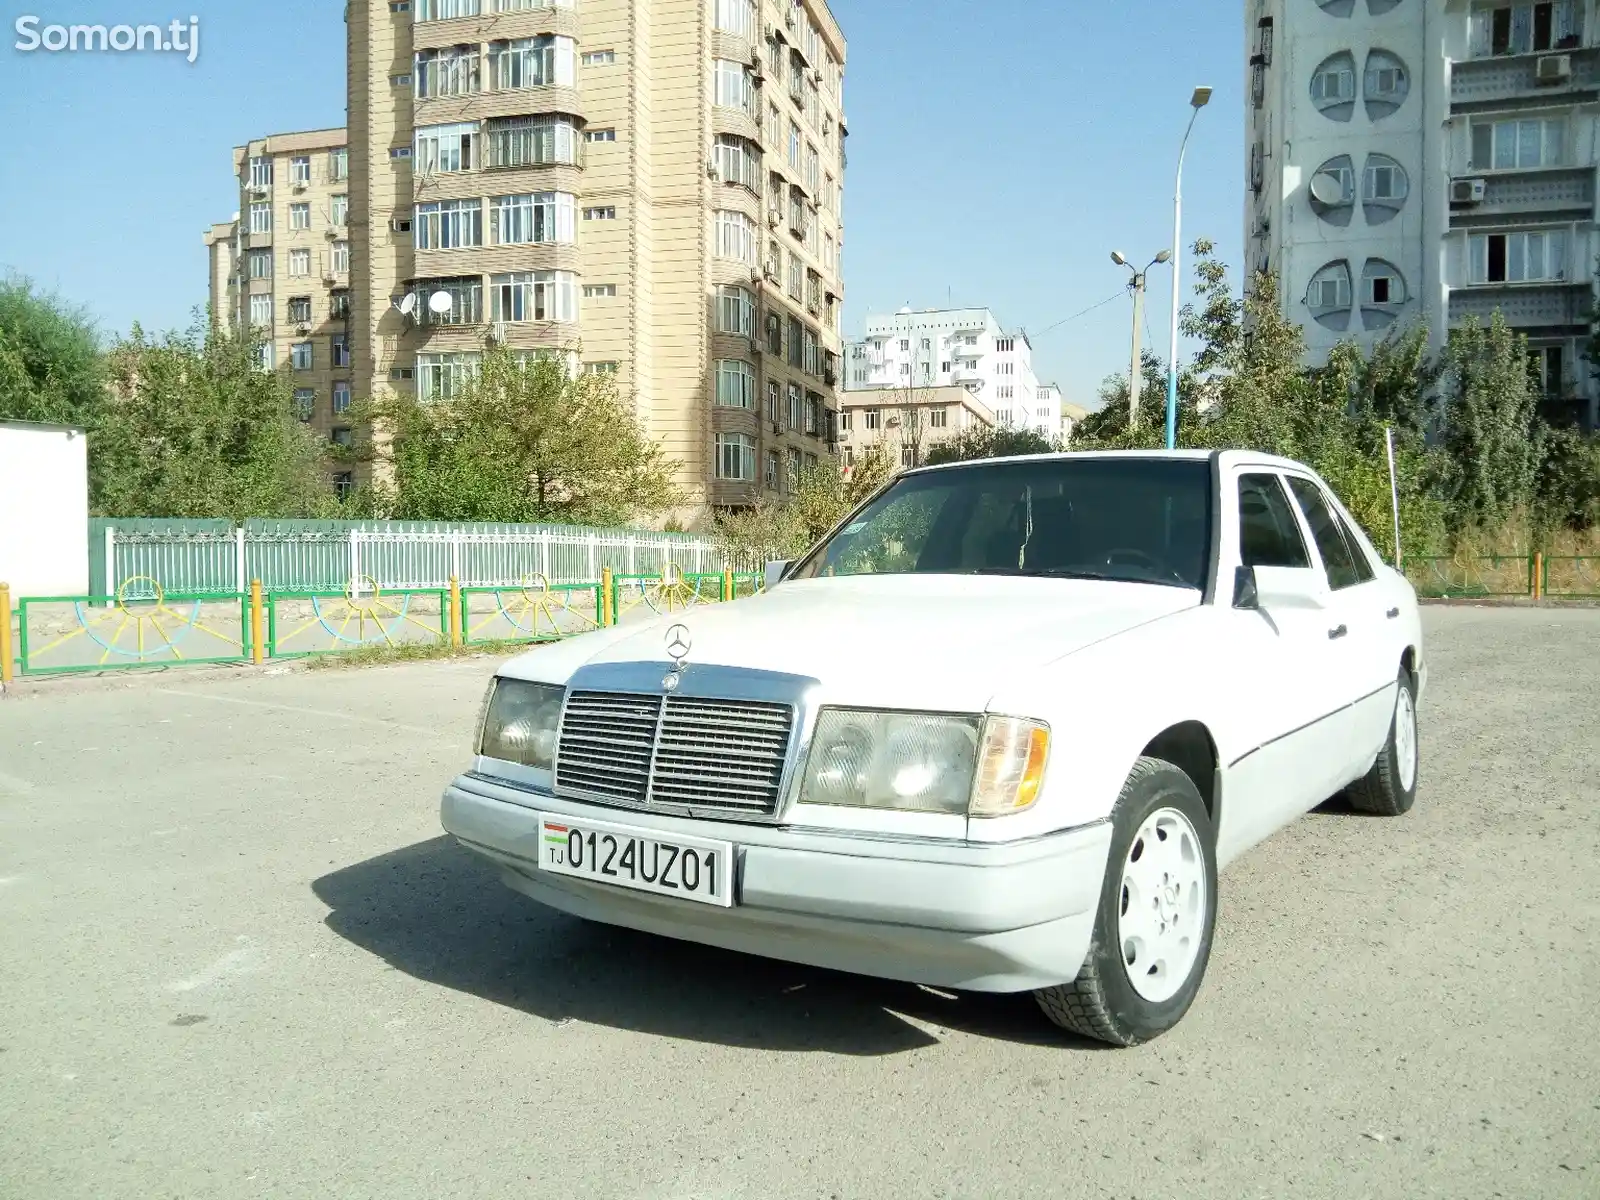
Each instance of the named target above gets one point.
<point>1077,573</point>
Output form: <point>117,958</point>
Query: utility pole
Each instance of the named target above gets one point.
<point>1136,366</point>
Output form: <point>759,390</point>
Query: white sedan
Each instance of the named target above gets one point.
<point>997,732</point>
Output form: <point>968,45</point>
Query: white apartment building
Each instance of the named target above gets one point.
<point>959,347</point>
<point>1429,161</point>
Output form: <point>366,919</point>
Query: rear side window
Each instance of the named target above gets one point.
<point>1337,559</point>
<point>1269,536</point>
<point>1357,554</point>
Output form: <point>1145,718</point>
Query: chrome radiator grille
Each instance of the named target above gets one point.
<point>678,752</point>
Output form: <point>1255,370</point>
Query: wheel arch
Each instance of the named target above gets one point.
<point>1189,746</point>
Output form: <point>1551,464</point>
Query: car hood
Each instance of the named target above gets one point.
<point>920,641</point>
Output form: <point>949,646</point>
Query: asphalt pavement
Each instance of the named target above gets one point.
<point>238,959</point>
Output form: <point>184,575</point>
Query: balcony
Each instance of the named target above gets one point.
<point>966,353</point>
<point>1537,191</point>
<point>966,376</point>
<point>1526,80</point>
<point>1555,305</point>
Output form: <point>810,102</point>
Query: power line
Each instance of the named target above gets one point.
<point>1117,295</point>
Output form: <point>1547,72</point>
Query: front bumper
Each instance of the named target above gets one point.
<point>994,918</point>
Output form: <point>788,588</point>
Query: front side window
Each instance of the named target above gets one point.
<point>1338,557</point>
<point>1128,519</point>
<point>1269,535</point>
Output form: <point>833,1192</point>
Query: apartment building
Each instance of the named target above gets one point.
<point>282,268</point>
<point>1413,162</point>
<point>908,421</point>
<point>960,347</point>
<point>650,190</point>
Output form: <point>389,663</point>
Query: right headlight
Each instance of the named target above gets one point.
<point>919,762</point>
<point>521,723</point>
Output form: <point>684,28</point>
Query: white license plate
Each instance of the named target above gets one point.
<point>689,868</point>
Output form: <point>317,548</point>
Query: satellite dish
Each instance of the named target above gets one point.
<point>1327,189</point>
<point>440,302</point>
<point>408,303</point>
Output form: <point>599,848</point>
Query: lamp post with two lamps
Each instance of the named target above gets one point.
<point>1136,369</point>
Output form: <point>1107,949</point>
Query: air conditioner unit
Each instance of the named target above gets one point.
<point>777,427</point>
<point>330,233</point>
<point>774,219</point>
<point>755,274</point>
<point>302,327</point>
<point>772,274</point>
<point>788,20</point>
<point>1554,68</point>
<point>330,276</point>
<point>300,187</point>
<point>1468,191</point>
<point>816,76</point>
<point>259,189</point>
<point>711,169</point>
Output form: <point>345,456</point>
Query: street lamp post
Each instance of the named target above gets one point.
<point>1136,367</point>
<point>1201,97</point>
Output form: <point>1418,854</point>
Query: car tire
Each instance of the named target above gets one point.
<point>1390,788</point>
<point>1159,822</point>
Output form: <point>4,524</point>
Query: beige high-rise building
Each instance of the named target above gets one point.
<point>282,266</point>
<point>650,188</point>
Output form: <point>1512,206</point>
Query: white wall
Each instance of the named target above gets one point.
<point>44,510</point>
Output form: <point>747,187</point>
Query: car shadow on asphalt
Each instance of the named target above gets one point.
<point>437,913</point>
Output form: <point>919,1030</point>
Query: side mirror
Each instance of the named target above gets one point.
<point>1245,592</point>
<point>1289,587</point>
<point>775,572</point>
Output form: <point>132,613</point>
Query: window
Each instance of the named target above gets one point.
<point>736,311</point>
<point>813,169</point>
<point>300,356</point>
<point>774,334</point>
<point>545,61</point>
<point>305,402</point>
<point>261,310</point>
<point>793,341</point>
<point>400,81</point>
<point>610,367</point>
<point>828,257</point>
<point>794,145</point>
<point>264,358</point>
<point>339,305</point>
<point>938,418</point>
<point>539,217</point>
<point>448,225</point>
<point>299,310</point>
<point>594,291</point>
<point>339,258</point>
<point>300,171</point>
<point>774,403</point>
<point>599,58</point>
<point>771,476</point>
<point>733,87</point>
<point>797,277</point>
<point>445,10</point>
<point>1381,284</point>
<point>535,296</point>
<point>532,141</point>
<point>339,209</point>
<point>605,213</point>
<point>1547,368</point>
<point>261,217</point>
<point>738,161</point>
<point>1525,28</point>
<point>400,152</point>
<point>1004,345</point>
<point>737,17</point>
<point>339,345</point>
<point>1004,392</point>
<point>525,5</point>
<point>813,415</point>
<point>299,263</point>
<point>1006,368</point>
<point>736,384</point>
<point>344,482</point>
<point>441,376</point>
<point>341,398</point>
<point>338,164</point>
<point>260,263</point>
<point>1517,257</point>
<point>1339,557</point>
<point>260,171</point>
<point>1513,145</point>
<point>736,456</point>
<point>1330,288</point>
<point>792,468</point>
<point>797,407</point>
<point>872,417</point>
<point>844,422</point>
<point>600,135</point>
<point>1334,84</point>
<point>445,147</point>
<point>466,301</point>
<point>736,237</point>
<point>1269,535</point>
<point>299,216</point>
<point>453,72</point>
<point>342,437</point>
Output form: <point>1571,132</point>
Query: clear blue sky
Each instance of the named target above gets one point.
<point>998,152</point>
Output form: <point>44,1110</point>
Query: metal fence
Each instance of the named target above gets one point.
<point>215,558</point>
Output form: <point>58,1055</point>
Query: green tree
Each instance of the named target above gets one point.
<point>520,441</point>
<point>823,496</point>
<point>51,366</point>
<point>999,441</point>
<point>1492,438</point>
<point>193,427</point>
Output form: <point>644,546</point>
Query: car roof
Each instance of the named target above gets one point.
<point>1228,458</point>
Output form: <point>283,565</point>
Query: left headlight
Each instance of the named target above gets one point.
<point>521,723</point>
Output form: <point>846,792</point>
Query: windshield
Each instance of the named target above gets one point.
<point>1140,520</point>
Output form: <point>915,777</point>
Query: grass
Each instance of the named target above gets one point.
<point>382,654</point>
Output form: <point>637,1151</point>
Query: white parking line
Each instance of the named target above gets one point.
<point>356,718</point>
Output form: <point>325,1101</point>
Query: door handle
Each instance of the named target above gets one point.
<point>1392,614</point>
<point>1335,634</point>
